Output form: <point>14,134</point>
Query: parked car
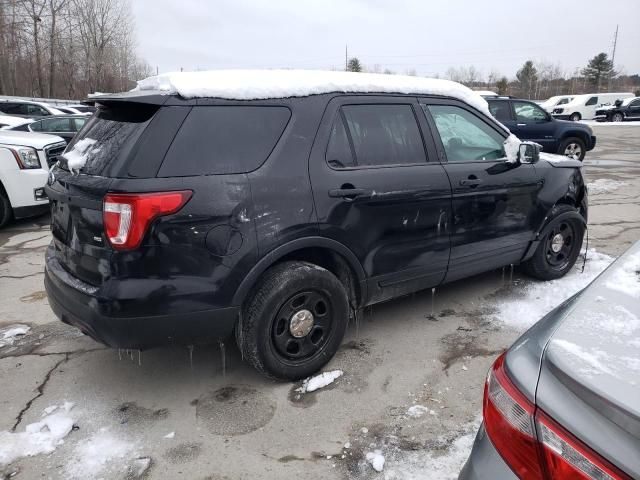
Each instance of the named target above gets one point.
<point>65,126</point>
<point>185,217</point>
<point>23,173</point>
<point>583,107</point>
<point>27,109</point>
<point>8,121</point>
<point>627,109</point>
<point>564,400</point>
<point>549,104</point>
<point>76,109</point>
<point>529,121</point>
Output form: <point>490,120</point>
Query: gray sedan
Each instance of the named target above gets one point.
<point>564,401</point>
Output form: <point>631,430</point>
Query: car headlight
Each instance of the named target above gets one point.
<point>27,157</point>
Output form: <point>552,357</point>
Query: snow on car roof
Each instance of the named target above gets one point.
<point>263,84</point>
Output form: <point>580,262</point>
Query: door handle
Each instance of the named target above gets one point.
<point>471,182</point>
<point>349,193</point>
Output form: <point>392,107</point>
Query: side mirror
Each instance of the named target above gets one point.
<point>529,152</point>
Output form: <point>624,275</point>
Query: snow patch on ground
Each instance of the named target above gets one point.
<point>417,411</point>
<point>319,381</point>
<point>626,277</point>
<point>612,124</point>
<point>39,437</point>
<point>434,466</point>
<point>604,185</point>
<point>9,334</point>
<point>539,298</point>
<point>260,84</point>
<point>78,156</point>
<point>376,460</point>
<point>102,453</point>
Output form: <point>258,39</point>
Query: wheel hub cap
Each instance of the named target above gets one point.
<point>301,323</point>
<point>557,242</point>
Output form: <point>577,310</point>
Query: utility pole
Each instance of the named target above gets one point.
<point>613,57</point>
<point>346,58</point>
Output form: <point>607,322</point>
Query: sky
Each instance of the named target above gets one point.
<point>423,35</point>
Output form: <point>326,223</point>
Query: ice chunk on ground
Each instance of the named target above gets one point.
<point>260,84</point>
<point>100,454</point>
<point>419,410</point>
<point>319,381</point>
<point>170,435</point>
<point>9,334</point>
<point>49,410</point>
<point>604,185</point>
<point>77,157</point>
<point>39,437</point>
<point>539,298</point>
<point>626,277</point>
<point>376,459</point>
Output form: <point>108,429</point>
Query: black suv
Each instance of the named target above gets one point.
<point>628,109</point>
<point>528,121</point>
<point>278,220</point>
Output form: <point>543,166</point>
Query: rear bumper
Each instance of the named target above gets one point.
<point>81,305</point>
<point>485,463</point>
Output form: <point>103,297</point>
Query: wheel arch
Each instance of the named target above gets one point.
<point>322,251</point>
<point>582,135</point>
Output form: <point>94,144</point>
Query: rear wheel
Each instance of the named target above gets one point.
<point>5,209</point>
<point>575,117</point>
<point>617,117</point>
<point>294,322</point>
<point>559,249</point>
<point>573,148</point>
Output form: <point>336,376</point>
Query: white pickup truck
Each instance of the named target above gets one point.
<point>25,159</point>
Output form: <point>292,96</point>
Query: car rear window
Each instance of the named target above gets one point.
<point>217,140</point>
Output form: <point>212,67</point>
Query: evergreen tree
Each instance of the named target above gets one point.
<point>528,76</point>
<point>599,70</point>
<point>502,86</point>
<point>354,65</point>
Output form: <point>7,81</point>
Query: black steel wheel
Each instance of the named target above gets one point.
<point>294,321</point>
<point>560,244</point>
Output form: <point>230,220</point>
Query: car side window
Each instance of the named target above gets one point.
<point>527,112</point>
<point>465,137</point>
<point>339,153</point>
<point>36,110</point>
<point>78,123</point>
<point>35,126</point>
<point>635,103</point>
<point>384,134</point>
<point>591,101</point>
<point>56,125</point>
<point>500,110</point>
<point>563,101</point>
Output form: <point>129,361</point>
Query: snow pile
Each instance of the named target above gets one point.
<point>101,453</point>
<point>417,411</point>
<point>553,158</point>
<point>539,298</point>
<point>77,157</point>
<point>511,147</point>
<point>170,435</point>
<point>261,84</point>
<point>435,466</point>
<point>39,437</point>
<point>8,334</point>
<point>319,381</point>
<point>376,459</point>
<point>604,185</point>
<point>626,277</point>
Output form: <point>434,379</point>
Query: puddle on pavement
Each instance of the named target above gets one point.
<point>133,414</point>
<point>185,452</point>
<point>235,410</point>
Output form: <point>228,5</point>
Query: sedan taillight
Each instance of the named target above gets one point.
<point>126,216</point>
<point>531,443</point>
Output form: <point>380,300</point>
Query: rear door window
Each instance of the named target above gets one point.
<point>500,110</point>
<point>339,153</point>
<point>528,112</point>
<point>216,140</point>
<point>385,134</point>
<point>56,125</point>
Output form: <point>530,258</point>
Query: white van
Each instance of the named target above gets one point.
<point>583,107</point>
<point>556,101</point>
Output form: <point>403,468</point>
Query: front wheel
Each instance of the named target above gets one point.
<point>617,117</point>
<point>294,322</point>
<point>5,209</point>
<point>573,148</point>
<point>559,249</point>
<point>575,117</point>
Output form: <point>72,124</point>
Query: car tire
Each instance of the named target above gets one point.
<point>559,249</point>
<point>6,213</point>
<point>294,321</point>
<point>573,147</point>
<point>575,117</point>
<point>617,117</point>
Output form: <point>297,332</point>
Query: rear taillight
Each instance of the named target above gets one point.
<point>127,216</point>
<point>530,442</point>
<point>508,419</point>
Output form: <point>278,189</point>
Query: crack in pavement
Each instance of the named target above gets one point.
<point>19,277</point>
<point>40,390</point>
